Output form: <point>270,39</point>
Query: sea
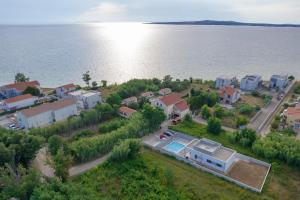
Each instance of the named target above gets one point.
<point>116,52</point>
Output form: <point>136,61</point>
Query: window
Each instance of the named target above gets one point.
<point>219,165</point>
<point>195,156</point>
<point>209,161</point>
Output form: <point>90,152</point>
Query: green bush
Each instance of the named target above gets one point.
<point>83,134</point>
<point>246,109</point>
<point>214,126</point>
<point>54,143</point>
<point>297,89</point>
<point>111,125</point>
<point>126,149</point>
<point>205,112</point>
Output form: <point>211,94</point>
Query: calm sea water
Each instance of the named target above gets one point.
<point>58,54</point>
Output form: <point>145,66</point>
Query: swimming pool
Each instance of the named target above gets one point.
<point>174,147</point>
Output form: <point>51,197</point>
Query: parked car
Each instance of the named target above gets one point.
<point>176,120</point>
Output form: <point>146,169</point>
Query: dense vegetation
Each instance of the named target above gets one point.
<point>200,98</point>
<point>297,89</point>
<point>277,146</point>
<point>111,125</point>
<point>127,149</point>
<point>17,147</point>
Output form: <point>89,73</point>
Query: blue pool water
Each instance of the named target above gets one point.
<point>174,147</point>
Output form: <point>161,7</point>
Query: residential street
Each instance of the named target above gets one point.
<point>261,122</point>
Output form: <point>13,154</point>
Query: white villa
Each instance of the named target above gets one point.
<point>251,82</point>
<point>228,95</point>
<point>16,89</point>
<point>223,81</point>
<point>172,105</point>
<point>129,100</point>
<point>211,154</point>
<point>278,81</point>
<point>164,91</point>
<point>18,102</point>
<point>64,90</point>
<point>86,99</point>
<point>47,113</point>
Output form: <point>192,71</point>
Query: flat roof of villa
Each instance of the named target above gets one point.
<point>211,148</point>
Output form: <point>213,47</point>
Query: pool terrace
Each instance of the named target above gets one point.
<point>243,170</point>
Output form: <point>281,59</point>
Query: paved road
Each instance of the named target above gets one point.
<point>261,122</point>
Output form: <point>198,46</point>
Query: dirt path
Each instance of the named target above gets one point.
<point>79,169</point>
<point>199,120</point>
<point>40,162</point>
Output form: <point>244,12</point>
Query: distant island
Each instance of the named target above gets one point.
<point>225,23</point>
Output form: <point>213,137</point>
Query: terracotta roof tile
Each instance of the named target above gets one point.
<point>182,105</point>
<point>170,99</point>
<point>127,110</point>
<point>18,98</point>
<point>227,90</point>
<point>68,86</point>
<point>48,107</point>
<point>21,86</point>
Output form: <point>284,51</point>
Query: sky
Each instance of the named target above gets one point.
<point>78,11</point>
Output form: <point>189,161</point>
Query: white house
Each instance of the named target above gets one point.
<point>164,91</point>
<point>228,95</point>
<point>251,82</point>
<point>86,99</point>
<point>211,154</point>
<point>147,95</point>
<point>63,91</point>
<point>47,114</point>
<point>126,112</point>
<point>278,81</point>
<point>172,105</point>
<point>18,102</point>
<point>129,100</point>
<point>16,89</point>
<point>223,81</point>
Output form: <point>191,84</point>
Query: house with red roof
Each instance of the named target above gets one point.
<point>228,95</point>
<point>18,102</point>
<point>16,89</point>
<point>172,105</point>
<point>292,117</point>
<point>47,113</point>
<point>126,112</point>
<point>64,90</point>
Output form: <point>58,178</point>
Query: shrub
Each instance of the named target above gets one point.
<point>297,89</point>
<point>83,134</point>
<point>245,137</point>
<point>188,118</point>
<point>54,144</point>
<point>126,149</point>
<point>214,125</point>
<point>205,112</point>
<point>246,109</point>
<point>241,121</point>
<point>111,125</point>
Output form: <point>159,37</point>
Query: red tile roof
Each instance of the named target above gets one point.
<point>48,107</point>
<point>69,86</point>
<point>21,86</point>
<point>170,99</point>
<point>227,90</point>
<point>18,98</point>
<point>126,110</point>
<point>182,105</point>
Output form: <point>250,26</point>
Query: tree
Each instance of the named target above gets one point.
<point>114,99</point>
<point>219,111</point>
<point>104,83</point>
<point>54,144</point>
<point>133,105</point>
<point>86,78</point>
<point>214,126</point>
<point>154,116</point>
<point>246,137</point>
<point>32,90</point>
<point>167,80</point>
<point>106,111</point>
<point>126,149</point>
<point>62,163</point>
<point>94,84</point>
<point>241,121</point>
<point>205,112</point>
<point>20,77</point>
